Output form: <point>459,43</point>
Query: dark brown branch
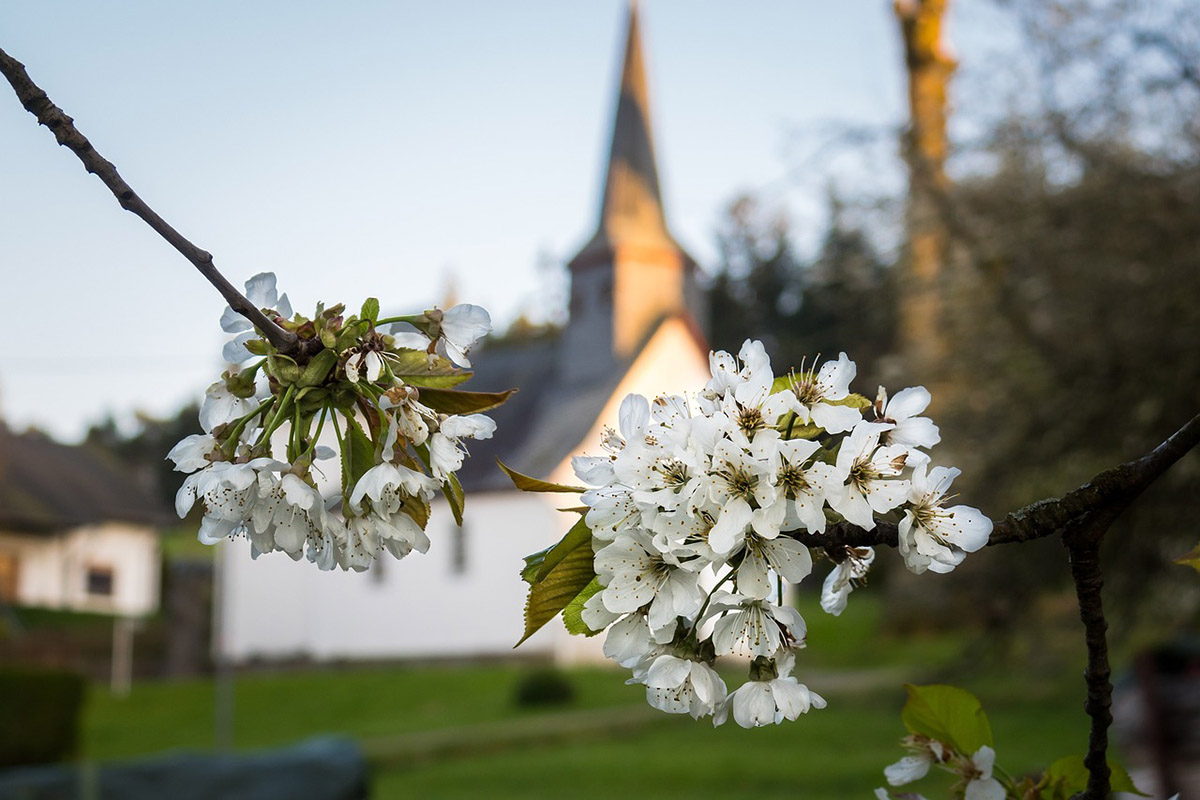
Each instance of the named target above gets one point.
<point>36,102</point>
<point>1083,546</point>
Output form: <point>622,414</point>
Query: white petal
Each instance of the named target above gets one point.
<point>260,290</point>
<point>985,789</point>
<point>233,322</point>
<point>907,770</point>
<point>835,419</point>
<point>908,403</point>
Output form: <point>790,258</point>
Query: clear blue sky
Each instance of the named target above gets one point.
<point>372,148</point>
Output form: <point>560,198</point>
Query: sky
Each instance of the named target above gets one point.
<point>387,149</point>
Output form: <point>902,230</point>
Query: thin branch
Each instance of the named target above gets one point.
<point>1083,545</point>
<point>36,102</point>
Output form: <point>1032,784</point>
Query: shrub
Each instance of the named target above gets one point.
<point>544,687</point>
<point>39,717</point>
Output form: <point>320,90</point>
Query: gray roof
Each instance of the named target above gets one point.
<point>46,487</point>
<point>542,423</point>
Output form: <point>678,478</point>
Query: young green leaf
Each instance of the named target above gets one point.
<point>453,491</point>
<point>948,714</point>
<point>423,369</point>
<point>572,615</point>
<point>852,400</point>
<point>1190,559</point>
<point>453,401</point>
<point>317,369</point>
<point>370,310</point>
<point>558,587</point>
<point>528,484</point>
<point>575,538</point>
<point>359,453</point>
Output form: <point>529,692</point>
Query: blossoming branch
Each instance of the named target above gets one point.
<point>692,515</point>
<point>394,412</point>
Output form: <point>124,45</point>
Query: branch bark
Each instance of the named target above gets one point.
<point>36,102</point>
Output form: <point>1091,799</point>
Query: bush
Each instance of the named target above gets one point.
<point>39,716</point>
<point>544,687</point>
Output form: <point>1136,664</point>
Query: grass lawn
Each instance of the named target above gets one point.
<point>837,752</point>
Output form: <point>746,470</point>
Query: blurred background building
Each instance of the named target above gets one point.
<point>634,326</point>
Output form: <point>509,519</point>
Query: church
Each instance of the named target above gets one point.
<point>636,321</point>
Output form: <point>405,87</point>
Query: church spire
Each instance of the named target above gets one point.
<point>631,209</point>
<point>631,275</point>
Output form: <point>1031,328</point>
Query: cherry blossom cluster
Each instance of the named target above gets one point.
<point>385,400</point>
<point>696,507</point>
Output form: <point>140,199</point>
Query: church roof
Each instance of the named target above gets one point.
<point>46,486</point>
<point>542,423</point>
<point>631,210</point>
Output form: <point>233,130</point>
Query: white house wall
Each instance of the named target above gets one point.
<point>52,569</point>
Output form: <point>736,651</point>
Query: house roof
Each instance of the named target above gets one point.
<point>542,423</point>
<point>46,487</point>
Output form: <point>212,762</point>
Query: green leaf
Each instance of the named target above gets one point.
<point>533,565</point>
<point>453,401</point>
<point>1068,776</point>
<point>528,484</point>
<point>258,347</point>
<point>424,369</point>
<point>572,615</point>
<point>1190,558</point>
<point>948,714</point>
<point>317,369</point>
<point>852,400</point>
<point>285,369</point>
<point>358,455</point>
<point>558,583</point>
<point>453,491</point>
<point>579,535</point>
<point>782,383</point>
<point>370,310</point>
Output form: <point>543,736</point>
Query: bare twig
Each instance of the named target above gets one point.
<point>36,102</point>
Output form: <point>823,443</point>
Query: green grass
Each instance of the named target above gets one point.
<point>466,714</point>
<point>833,753</point>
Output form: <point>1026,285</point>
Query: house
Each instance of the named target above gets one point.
<point>634,326</point>
<point>76,532</point>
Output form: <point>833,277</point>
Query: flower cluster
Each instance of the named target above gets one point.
<point>387,402</point>
<point>699,507</point>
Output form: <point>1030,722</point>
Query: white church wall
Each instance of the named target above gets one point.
<point>672,362</point>
<point>461,599</point>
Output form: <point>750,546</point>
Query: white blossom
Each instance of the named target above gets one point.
<point>937,538</point>
<point>842,578</point>
<point>462,326</point>
<point>680,686</point>
<point>982,786</point>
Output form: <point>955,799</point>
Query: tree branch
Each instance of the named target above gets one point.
<point>36,102</point>
<point>1083,546</point>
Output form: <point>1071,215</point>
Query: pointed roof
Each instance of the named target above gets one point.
<point>631,210</point>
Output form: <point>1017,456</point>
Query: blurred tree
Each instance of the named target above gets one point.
<point>1077,322</point>
<point>840,300</point>
<point>144,451</point>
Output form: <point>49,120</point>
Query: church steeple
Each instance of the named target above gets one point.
<point>631,209</point>
<point>631,274</point>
